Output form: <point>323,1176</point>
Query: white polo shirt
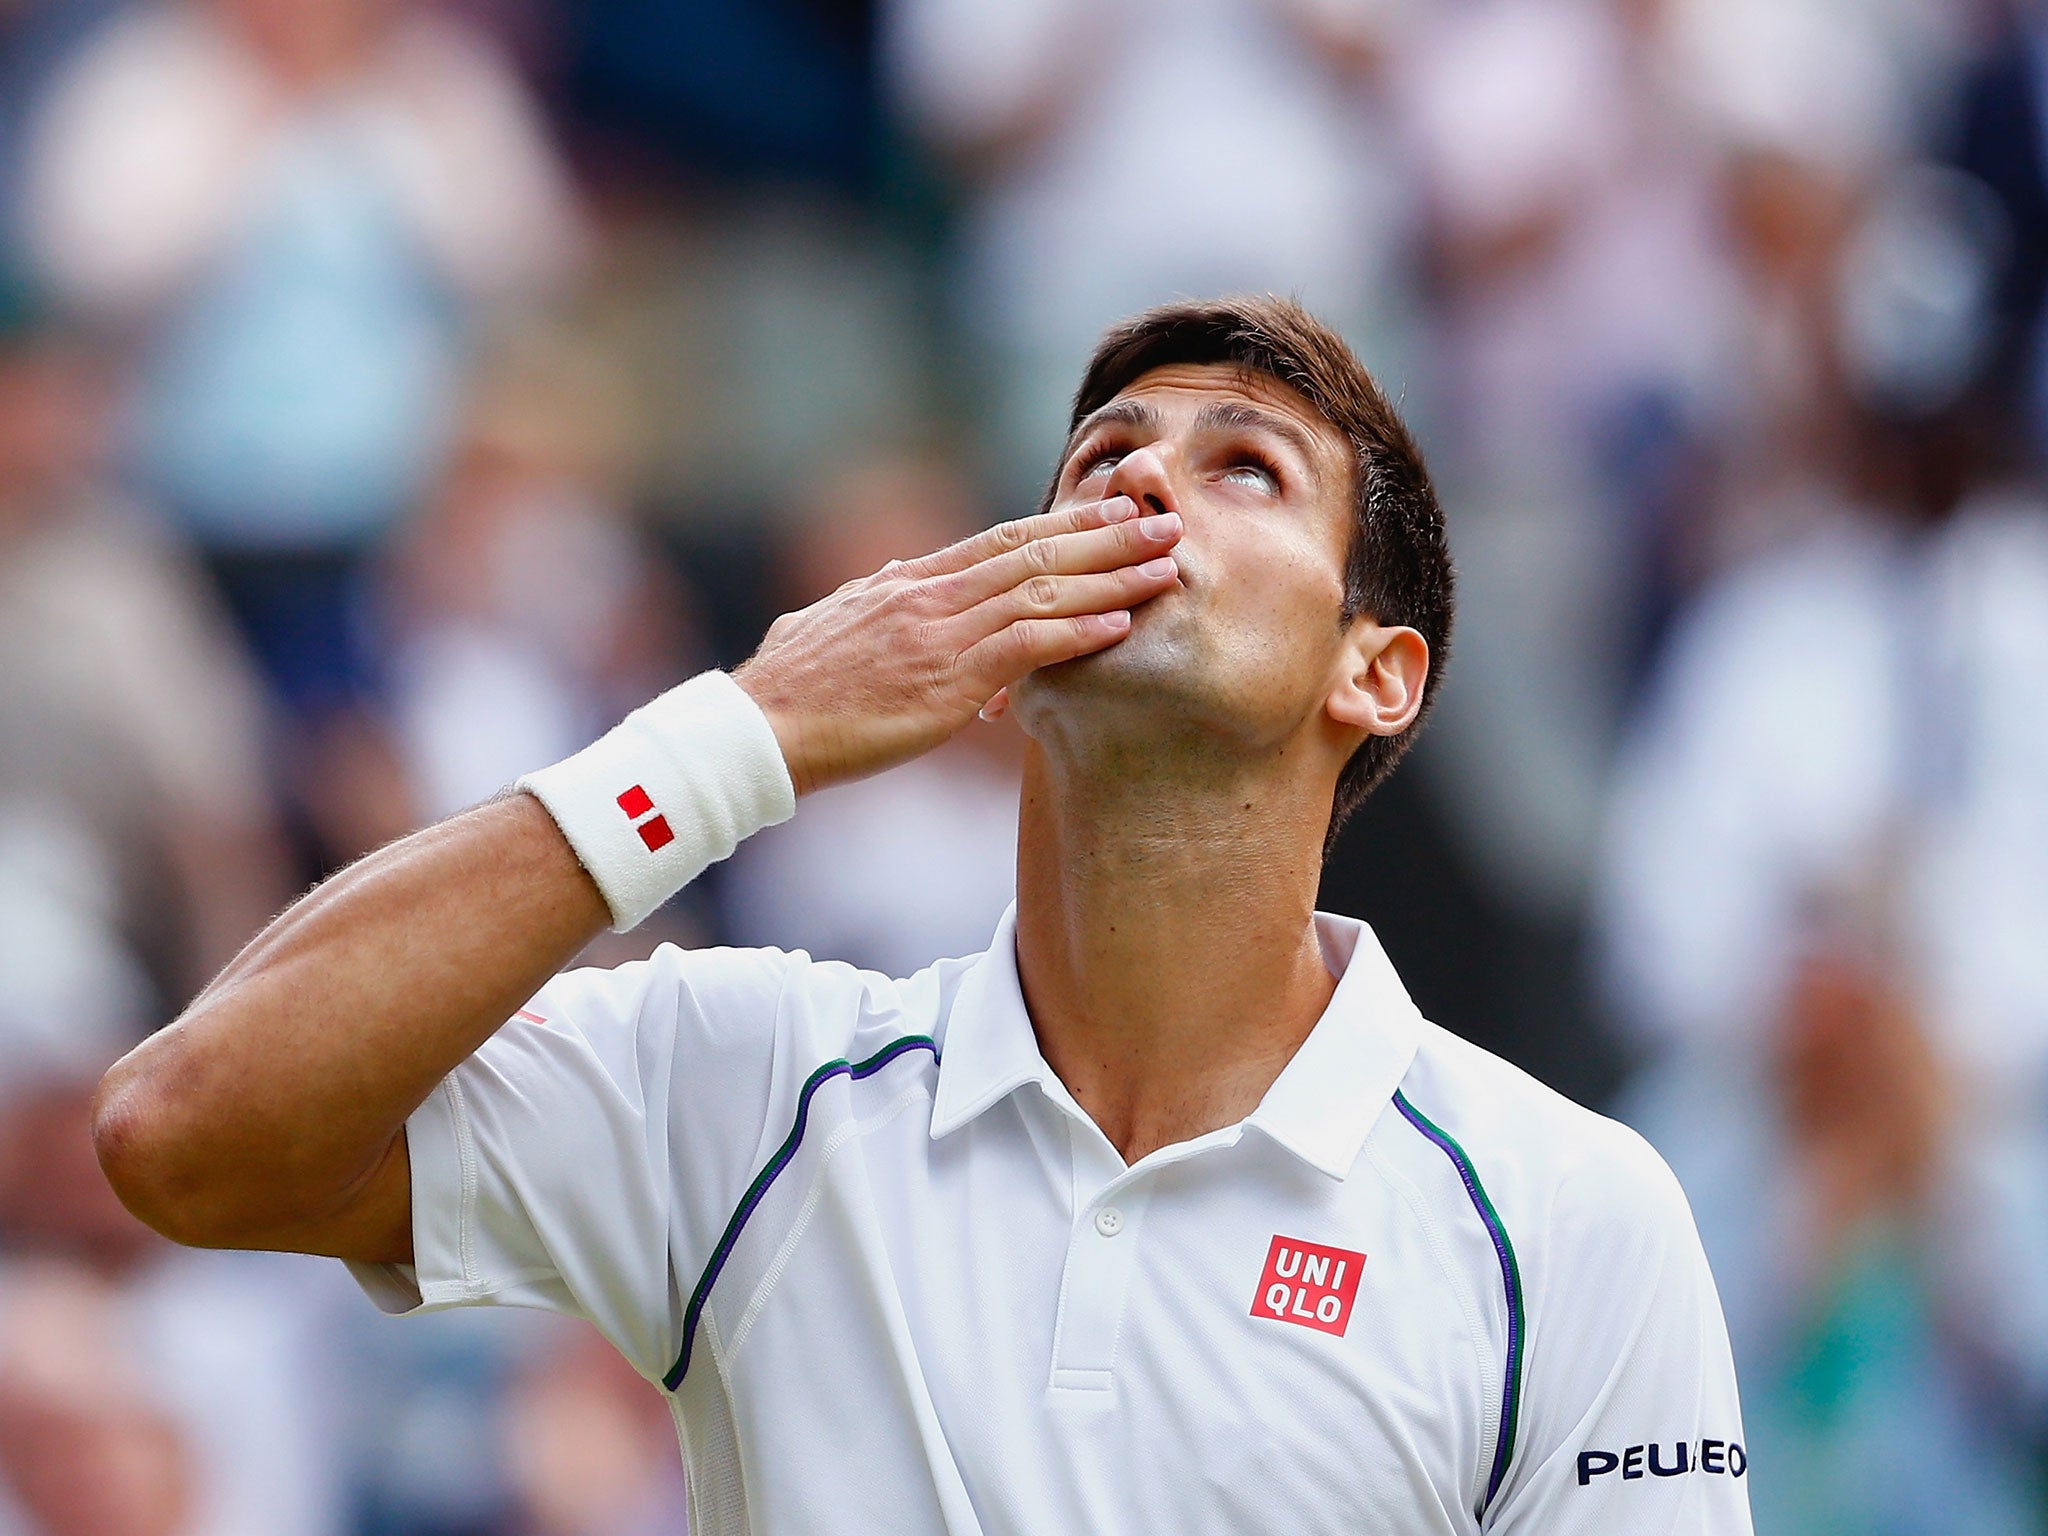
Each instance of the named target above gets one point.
<point>893,1278</point>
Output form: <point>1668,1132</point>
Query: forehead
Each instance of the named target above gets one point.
<point>1179,390</point>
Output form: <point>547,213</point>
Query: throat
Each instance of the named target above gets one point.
<point>1169,961</point>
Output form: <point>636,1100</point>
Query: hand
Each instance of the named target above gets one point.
<point>889,666</point>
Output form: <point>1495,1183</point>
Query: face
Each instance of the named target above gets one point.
<point>309,41</point>
<point>1250,642</point>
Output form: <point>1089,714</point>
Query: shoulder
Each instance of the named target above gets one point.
<point>1554,1170</point>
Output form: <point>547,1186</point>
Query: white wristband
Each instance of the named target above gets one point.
<point>669,790</point>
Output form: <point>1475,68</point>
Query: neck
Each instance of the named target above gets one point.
<point>1166,939</point>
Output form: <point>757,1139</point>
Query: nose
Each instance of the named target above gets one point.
<point>1146,475</point>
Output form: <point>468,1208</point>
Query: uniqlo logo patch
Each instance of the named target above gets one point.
<point>1309,1284</point>
<point>654,830</point>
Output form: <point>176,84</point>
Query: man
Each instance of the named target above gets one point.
<point>1168,1213</point>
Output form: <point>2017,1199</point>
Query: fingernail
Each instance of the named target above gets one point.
<point>1161,525</point>
<point>1163,566</point>
<point>1117,508</point>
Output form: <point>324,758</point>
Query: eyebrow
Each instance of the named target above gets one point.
<point>1217,416</point>
<point>1233,415</point>
<point>1130,413</point>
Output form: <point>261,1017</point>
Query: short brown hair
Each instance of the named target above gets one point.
<point>1398,569</point>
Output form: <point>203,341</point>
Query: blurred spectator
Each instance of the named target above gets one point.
<point>1820,886</point>
<point>145,1390</point>
<point>129,722</point>
<point>420,1413</point>
<point>519,615</point>
<point>591,1445</point>
<point>171,1403</point>
<point>526,613</point>
<point>297,205</point>
<point>916,863</point>
<point>75,999</point>
<point>79,1458</point>
<point>1581,329</point>
<point>1119,152</point>
<point>1822,911</point>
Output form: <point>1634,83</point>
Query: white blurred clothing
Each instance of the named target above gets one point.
<point>75,997</point>
<point>476,708</point>
<point>888,872</point>
<point>1844,85</point>
<point>508,653</point>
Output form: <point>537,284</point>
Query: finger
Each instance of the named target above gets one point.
<point>1018,532</point>
<point>996,707</point>
<point>1063,597</point>
<point>1131,542</point>
<point>1030,644</point>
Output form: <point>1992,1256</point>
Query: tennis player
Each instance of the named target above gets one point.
<point>1168,1213</point>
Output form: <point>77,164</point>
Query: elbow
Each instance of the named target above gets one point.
<point>147,1157</point>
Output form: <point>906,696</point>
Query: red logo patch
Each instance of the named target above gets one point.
<point>655,831</point>
<point>1309,1284</point>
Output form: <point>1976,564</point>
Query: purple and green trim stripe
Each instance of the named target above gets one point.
<point>1511,1277</point>
<point>853,1071</point>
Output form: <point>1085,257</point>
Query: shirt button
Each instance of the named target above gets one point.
<point>1109,1221</point>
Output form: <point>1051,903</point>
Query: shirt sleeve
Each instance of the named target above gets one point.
<point>1630,1425</point>
<point>594,1145</point>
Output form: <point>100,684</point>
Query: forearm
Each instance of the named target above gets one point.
<point>282,1089</point>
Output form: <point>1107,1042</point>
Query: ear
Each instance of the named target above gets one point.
<point>1383,671</point>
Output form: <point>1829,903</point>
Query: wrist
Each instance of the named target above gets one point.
<point>670,790</point>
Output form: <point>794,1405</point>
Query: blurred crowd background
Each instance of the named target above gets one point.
<point>392,394</point>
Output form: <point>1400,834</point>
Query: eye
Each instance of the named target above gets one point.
<point>1257,475</point>
<point>1095,464</point>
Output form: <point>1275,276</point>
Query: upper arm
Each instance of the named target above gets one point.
<point>1631,1424</point>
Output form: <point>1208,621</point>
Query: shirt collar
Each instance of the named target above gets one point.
<point>1321,1106</point>
<point>1324,1102</point>
<point>989,1050</point>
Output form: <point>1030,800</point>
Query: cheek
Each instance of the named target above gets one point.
<point>1275,621</point>
<point>1285,593</point>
